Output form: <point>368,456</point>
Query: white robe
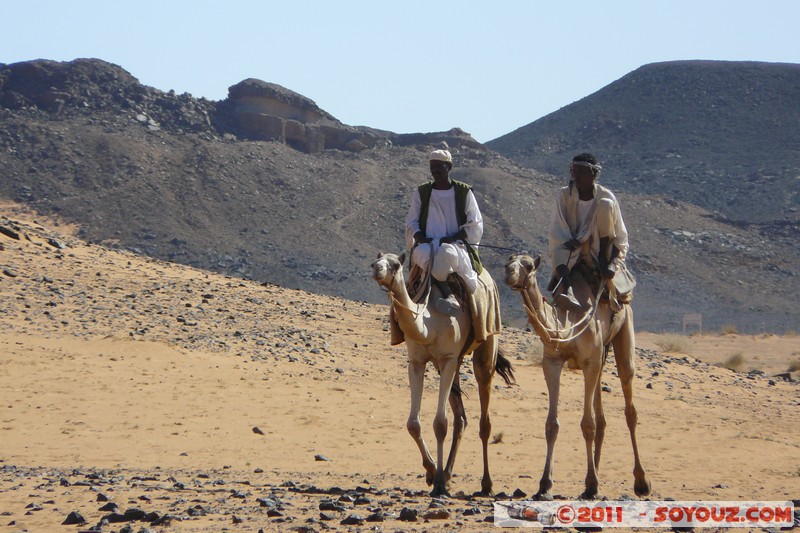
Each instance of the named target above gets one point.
<point>443,222</point>
<point>571,221</point>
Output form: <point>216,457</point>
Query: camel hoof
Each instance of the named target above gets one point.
<point>588,494</point>
<point>429,478</point>
<point>642,488</point>
<point>439,491</point>
<point>542,497</point>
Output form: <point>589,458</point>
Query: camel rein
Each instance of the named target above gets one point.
<point>545,333</point>
<point>420,306</point>
<point>397,302</point>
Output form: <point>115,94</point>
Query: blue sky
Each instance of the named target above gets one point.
<point>487,67</point>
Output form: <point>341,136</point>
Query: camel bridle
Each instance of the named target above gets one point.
<point>537,320</point>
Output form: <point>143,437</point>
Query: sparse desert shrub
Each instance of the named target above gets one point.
<point>673,343</point>
<point>790,333</point>
<point>734,362</point>
<point>729,329</point>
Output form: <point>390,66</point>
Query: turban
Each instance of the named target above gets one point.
<point>595,168</point>
<point>441,155</point>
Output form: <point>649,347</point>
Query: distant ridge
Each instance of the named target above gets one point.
<point>254,109</point>
<point>722,135</point>
<point>267,186</point>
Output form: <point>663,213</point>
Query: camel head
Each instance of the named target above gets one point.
<point>386,267</point>
<point>519,268</point>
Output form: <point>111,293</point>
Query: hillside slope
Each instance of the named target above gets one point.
<point>148,393</point>
<point>720,135</point>
<point>143,170</point>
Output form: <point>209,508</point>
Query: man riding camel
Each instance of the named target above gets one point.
<point>445,214</point>
<point>586,225</point>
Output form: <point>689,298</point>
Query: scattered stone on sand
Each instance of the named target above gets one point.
<point>408,515</point>
<point>74,518</point>
<point>353,520</point>
<point>437,514</point>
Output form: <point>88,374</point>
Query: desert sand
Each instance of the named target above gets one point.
<point>220,404</point>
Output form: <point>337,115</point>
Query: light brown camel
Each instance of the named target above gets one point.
<point>444,341</point>
<point>585,338</point>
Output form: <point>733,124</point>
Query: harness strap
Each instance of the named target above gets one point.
<point>545,333</point>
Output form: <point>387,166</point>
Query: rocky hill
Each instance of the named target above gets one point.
<point>716,134</point>
<point>267,186</point>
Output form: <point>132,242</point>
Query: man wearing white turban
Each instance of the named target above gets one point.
<point>444,214</point>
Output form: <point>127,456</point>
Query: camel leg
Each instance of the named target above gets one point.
<point>448,370</point>
<point>483,363</point>
<point>459,424</point>
<point>600,420</point>
<point>624,352</point>
<point>551,367</point>
<point>591,376</point>
<point>416,377</point>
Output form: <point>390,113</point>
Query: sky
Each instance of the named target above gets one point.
<point>487,67</point>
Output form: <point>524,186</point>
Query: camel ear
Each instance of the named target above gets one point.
<point>529,267</point>
<point>536,262</point>
<point>402,258</point>
<point>380,254</point>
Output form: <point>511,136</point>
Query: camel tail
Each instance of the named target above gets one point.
<point>456,389</point>
<point>504,368</point>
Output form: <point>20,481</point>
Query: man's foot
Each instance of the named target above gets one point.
<point>448,306</point>
<point>567,301</point>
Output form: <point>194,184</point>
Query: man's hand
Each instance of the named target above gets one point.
<point>460,236</point>
<point>572,245</point>
<point>420,238</point>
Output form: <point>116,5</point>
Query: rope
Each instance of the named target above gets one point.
<point>546,333</point>
<point>586,317</point>
<point>518,252</point>
<point>425,282</point>
<point>397,302</point>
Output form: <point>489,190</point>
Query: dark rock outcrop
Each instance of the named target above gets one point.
<point>254,110</point>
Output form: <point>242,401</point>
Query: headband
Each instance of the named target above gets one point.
<point>595,168</point>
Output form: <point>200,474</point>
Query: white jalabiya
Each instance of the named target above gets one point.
<point>586,222</point>
<point>443,222</point>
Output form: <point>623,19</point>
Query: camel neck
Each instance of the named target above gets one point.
<point>406,312</point>
<point>534,299</point>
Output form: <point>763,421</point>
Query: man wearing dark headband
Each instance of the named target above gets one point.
<point>586,224</point>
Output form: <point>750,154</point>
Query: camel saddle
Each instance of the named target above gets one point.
<point>484,304</point>
<point>622,283</point>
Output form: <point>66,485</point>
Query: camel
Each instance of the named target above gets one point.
<point>585,339</point>
<point>444,341</point>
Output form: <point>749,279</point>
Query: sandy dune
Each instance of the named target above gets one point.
<point>220,404</point>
